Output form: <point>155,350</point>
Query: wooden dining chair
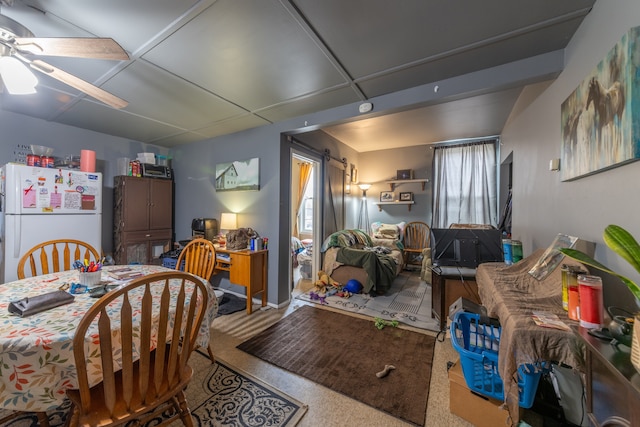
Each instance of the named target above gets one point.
<point>55,255</point>
<point>159,314</point>
<point>198,257</point>
<point>416,238</point>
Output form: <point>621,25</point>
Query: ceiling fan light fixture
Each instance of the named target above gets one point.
<point>17,77</point>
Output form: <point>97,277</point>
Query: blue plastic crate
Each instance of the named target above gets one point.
<point>171,263</point>
<point>477,344</point>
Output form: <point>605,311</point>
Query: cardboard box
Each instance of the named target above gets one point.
<point>481,411</point>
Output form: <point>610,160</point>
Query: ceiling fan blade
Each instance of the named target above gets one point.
<point>97,48</point>
<point>78,83</point>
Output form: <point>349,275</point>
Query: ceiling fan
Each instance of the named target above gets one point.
<point>18,44</point>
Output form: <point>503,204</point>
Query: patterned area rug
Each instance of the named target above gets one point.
<point>408,301</point>
<point>218,395</point>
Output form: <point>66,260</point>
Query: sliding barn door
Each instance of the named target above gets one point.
<point>333,206</point>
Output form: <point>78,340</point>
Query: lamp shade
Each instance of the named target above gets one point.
<point>17,78</point>
<point>364,187</point>
<point>228,221</point>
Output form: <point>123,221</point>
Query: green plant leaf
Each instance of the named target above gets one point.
<point>586,259</point>
<point>622,242</point>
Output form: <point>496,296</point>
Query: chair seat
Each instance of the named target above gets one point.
<point>98,414</point>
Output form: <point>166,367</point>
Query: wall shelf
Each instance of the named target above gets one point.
<point>393,182</point>
<point>408,203</point>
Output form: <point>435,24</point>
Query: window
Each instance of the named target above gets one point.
<point>465,184</point>
<point>306,213</point>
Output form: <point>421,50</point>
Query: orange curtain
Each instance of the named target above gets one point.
<point>305,174</point>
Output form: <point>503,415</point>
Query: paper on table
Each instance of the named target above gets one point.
<point>549,320</point>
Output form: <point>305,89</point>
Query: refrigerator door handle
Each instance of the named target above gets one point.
<point>18,235</point>
<point>17,197</point>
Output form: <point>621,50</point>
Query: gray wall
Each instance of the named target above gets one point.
<point>20,130</point>
<point>543,205</point>
<point>382,165</point>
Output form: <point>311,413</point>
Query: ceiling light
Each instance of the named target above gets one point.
<point>17,77</point>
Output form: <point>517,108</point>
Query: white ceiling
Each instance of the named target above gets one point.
<point>201,69</point>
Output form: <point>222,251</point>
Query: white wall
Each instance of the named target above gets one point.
<point>543,205</point>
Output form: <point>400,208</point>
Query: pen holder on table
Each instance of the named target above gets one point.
<point>91,278</point>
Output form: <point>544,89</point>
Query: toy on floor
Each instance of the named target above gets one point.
<point>325,285</point>
<point>381,323</point>
<point>385,371</point>
<point>353,286</point>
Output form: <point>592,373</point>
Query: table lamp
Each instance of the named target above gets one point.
<point>228,222</point>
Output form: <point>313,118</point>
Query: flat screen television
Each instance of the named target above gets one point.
<point>465,247</point>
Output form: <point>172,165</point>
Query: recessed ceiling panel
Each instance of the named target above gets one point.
<point>319,102</point>
<point>98,117</point>
<point>251,53</point>
<point>132,23</point>
<point>233,125</point>
<point>369,36</point>
<point>153,92</point>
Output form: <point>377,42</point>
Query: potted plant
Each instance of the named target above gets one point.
<point>624,244</point>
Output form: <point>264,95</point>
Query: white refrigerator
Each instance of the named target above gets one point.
<point>40,204</point>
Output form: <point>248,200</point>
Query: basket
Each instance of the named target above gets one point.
<point>477,343</point>
<point>171,263</point>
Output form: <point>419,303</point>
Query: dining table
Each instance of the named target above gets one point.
<point>36,352</point>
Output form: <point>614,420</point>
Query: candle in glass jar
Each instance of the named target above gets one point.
<point>591,301</point>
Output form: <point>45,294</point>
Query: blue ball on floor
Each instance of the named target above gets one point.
<point>353,286</point>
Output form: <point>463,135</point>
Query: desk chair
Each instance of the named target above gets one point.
<point>149,386</point>
<point>416,238</point>
<point>199,257</point>
<point>55,255</point>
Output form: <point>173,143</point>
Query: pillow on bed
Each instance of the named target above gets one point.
<point>388,243</point>
<point>387,231</point>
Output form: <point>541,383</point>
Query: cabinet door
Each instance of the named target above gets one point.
<point>143,247</point>
<point>133,197</point>
<point>160,204</point>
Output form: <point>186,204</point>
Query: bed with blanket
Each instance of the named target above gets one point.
<point>353,254</point>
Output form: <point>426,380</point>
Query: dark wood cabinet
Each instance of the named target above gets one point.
<point>143,219</point>
<point>447,285</point>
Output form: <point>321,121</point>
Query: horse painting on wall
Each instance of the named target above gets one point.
<point>601,118</point>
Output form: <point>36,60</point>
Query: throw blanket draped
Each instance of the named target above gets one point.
<point>381,269</point>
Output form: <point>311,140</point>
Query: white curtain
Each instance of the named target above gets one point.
<point>465,184</point>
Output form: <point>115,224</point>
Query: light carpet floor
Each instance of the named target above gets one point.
<point>408,301</point>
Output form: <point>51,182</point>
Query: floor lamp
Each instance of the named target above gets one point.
<point>363,216</point>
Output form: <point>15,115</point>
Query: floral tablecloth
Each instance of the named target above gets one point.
<point>36,352</point>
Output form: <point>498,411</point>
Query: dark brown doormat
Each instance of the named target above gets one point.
<point>344,353</point>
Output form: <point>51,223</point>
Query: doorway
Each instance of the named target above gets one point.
<point>306,219</point>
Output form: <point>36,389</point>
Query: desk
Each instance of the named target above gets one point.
<point>246,268</point>
<point>447,285</point>
<point>36,352</point>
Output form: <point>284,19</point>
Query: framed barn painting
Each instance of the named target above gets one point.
<point>599,128</point>
<point>238,175</point>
